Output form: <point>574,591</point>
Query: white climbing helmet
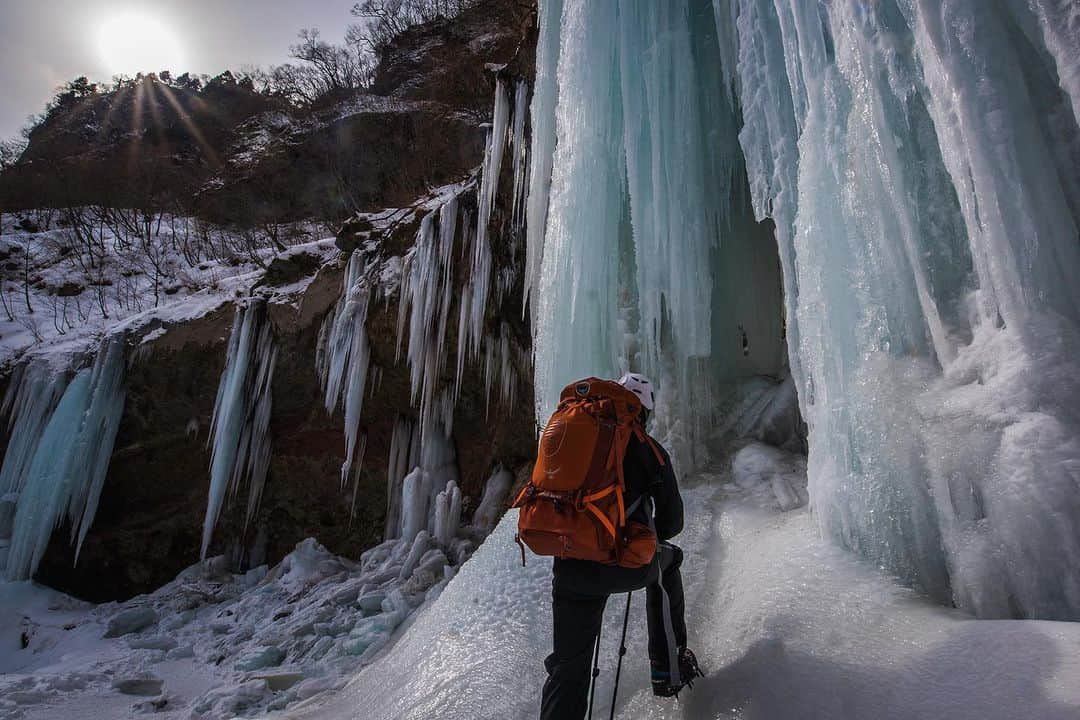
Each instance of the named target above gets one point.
<point>639,385</point>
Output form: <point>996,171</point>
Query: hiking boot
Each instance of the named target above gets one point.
<point>688,670</point>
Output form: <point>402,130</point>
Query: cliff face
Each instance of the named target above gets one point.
<point>238,157</point>
<point>426,129</point>
<point>133,147</point>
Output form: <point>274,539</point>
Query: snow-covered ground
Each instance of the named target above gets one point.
<point>212,644</point>
<point>68,278</point>
<point>785,624</point>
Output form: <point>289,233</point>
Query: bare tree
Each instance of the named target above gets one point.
<point>383,20</point>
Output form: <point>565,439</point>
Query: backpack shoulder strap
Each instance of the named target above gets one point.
<point>647,439</point>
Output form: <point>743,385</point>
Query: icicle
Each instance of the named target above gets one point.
<point>426,296</point>
<point>520,150</point>
<point>478,288</point>
<point>542,120</point>
<point>361,449</point>
<point>33,391</point>
<point>398,467</point>
<point>239,437</point>
<point>344,356</point>
<point>67,471</point>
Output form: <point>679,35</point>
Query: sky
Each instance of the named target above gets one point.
<point>44,43</point>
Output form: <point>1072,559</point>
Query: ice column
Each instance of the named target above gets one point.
<point>33,392</point>
<point>919,159</point>
<point>520,151</point>
<point>344,356</point>
<point>575,295</point>
<point>427,286</point>
<point>493,503</point>
<point>404,455</point>
<point>66,473</point>
<point>542,121</point>
<point>239,436</point>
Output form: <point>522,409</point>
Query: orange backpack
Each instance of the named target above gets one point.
<point>574,505</point>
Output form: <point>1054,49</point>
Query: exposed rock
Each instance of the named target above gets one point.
<point>149,522</point>
<point>287,269</point>
<point>84,155</point>
<point>69,289</point>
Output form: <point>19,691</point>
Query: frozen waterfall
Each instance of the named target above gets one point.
<point>651,258</point>
<point>917,164</point>
<point>240,438</point>
<point>344,355</point>
<point>59,451</point>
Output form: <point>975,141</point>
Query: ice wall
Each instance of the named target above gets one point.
<point>919,163</point>
<point>239,437</point>
<point>926,199</point>
<point>648,244</point>
<point>462,265</point>
<point>58,473</point>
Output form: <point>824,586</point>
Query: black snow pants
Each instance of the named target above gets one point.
<point>579,595</point>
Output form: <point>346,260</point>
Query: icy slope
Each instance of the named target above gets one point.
<point>786,625</point>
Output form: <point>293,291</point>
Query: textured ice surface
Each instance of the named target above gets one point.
<point>919,161</point>
<point>239,439</point>
<point>478,651</point>
<point>60,473</point>
<point>785,624</point>
<point>214,645</point>
<point>651,259</point>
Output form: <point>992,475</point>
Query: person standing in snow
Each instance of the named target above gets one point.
<point>580,588</point>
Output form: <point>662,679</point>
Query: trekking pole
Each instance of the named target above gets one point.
<point>622,651</point>
<point>595,671</point>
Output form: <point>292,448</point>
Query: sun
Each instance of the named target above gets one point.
<point>132,42</point>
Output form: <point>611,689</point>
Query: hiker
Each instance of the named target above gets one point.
<point>584,575</point>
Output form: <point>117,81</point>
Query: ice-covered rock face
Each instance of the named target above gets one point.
<point>919,162</point>
<point>650,258</point>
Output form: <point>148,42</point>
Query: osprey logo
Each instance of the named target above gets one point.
<point>552,439</point>
<point>582,389</point>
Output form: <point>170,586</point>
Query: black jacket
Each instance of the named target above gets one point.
<point>645,476</point>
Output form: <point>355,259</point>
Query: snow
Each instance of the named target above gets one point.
<point>785,624</point>
<point>127,276</point>
<point>213,644</point>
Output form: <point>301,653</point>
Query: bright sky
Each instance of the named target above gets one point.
<point>44,43</point>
